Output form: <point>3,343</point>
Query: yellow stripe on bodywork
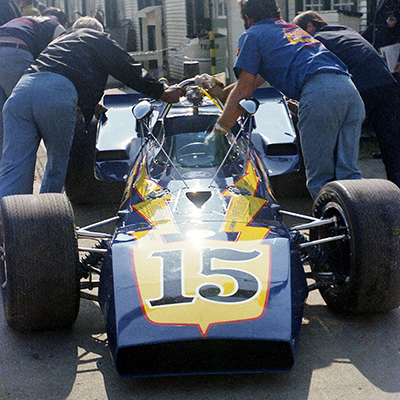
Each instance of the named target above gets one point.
<point>171,277</point>
<point>156,211</point>
<point>243,209</point>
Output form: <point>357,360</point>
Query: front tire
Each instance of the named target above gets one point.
<point>366,264</point>
<point>40,268</point>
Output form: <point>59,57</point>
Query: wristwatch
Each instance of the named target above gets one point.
<point>218,127</point>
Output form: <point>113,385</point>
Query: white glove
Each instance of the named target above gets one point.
<point>207,81</point>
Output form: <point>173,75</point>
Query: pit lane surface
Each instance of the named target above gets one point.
<point>339,358</point>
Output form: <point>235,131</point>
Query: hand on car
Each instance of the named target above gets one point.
<point>293,106</point>
<point>210,83</point>
<point>172,94</point>
<point>216,144</point>
<point>99,109</point>
<point>206,81</point>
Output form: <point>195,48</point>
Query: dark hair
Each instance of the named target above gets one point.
<point>259,10</point>
<point>392,7</point>
<point>309,16</point>
<point>56,12</point>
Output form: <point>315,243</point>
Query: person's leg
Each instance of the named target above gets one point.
<point>13,63</point>
<point>349,134</point>
<point>3,99</point>
<point>383,109</point>
<point>323,108</point>
<point>317,127</point>
<point>55,115</point>
<point>21,141</point>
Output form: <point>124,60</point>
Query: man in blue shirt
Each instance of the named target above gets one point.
<point>331,111</point>
<point>373,80</point>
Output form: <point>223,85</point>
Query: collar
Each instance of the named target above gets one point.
<point>271,21</point>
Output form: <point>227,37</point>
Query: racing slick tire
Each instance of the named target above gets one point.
<point>81,185</point>
<point>40,268</point>
<point>367,263</point>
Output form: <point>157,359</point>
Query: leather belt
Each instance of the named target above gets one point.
<point>15,45</point>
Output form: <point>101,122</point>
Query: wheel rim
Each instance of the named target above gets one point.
<point>339,253</point>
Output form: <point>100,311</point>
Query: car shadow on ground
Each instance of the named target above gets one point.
<point>53,365</point>
<point>367,343</point>
<point>66,364</point>
<point>326,339</point>
<point>45,365</point>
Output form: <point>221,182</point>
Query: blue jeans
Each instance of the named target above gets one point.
<point>331,113</point>
<point>13,62</point>
<point>41,106</point>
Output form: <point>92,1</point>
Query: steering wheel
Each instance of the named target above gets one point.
<point>194,155</point>
<point>191,150</point>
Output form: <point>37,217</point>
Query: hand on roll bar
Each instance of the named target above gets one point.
<point>172,94</point>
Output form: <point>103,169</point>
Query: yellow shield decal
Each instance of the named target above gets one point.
<point>202,283</point>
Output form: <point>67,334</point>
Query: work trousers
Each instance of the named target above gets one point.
<point>13,62</point>
<point>382,105</point>
<point>41,106</point>
<point>331,113</point>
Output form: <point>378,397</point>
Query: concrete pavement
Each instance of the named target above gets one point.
<point>339,357</point>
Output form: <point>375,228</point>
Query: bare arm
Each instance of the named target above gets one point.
<point>243,89</point>
<point>223,93</point>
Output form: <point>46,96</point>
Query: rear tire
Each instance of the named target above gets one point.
<point>40,271</point>
<point>368,262</point>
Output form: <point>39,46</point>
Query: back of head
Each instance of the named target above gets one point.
<point>392,7</point>
<point>88,22</point>
<point>309,16</point>
<point>56,12</point>
<point>258,10</point>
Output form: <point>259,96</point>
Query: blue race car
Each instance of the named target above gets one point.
<point>199,273</point>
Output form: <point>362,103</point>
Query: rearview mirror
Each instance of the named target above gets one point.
<point>142,110</point>
<point>249,105</point>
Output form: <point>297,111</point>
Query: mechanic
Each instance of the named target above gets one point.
<point>21,41</point>
<point>373,80</point>
<point>58,13</point>
<point>8,11</point>
<point>29,9</point>
<point>331,111</point>
<point>385,29</point>
<point>72,71</point>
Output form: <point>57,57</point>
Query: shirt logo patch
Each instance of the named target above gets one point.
<point>295,34</point>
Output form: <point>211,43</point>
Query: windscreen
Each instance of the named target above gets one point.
<point>196,149</point>
<point>188,142</point>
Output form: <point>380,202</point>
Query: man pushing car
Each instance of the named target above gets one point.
<point>71,72</point>
<point>331,111</point>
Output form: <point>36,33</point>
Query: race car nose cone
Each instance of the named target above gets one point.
<point>198,198</point>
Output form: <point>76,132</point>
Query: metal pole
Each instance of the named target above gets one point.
<point>212,53</point>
